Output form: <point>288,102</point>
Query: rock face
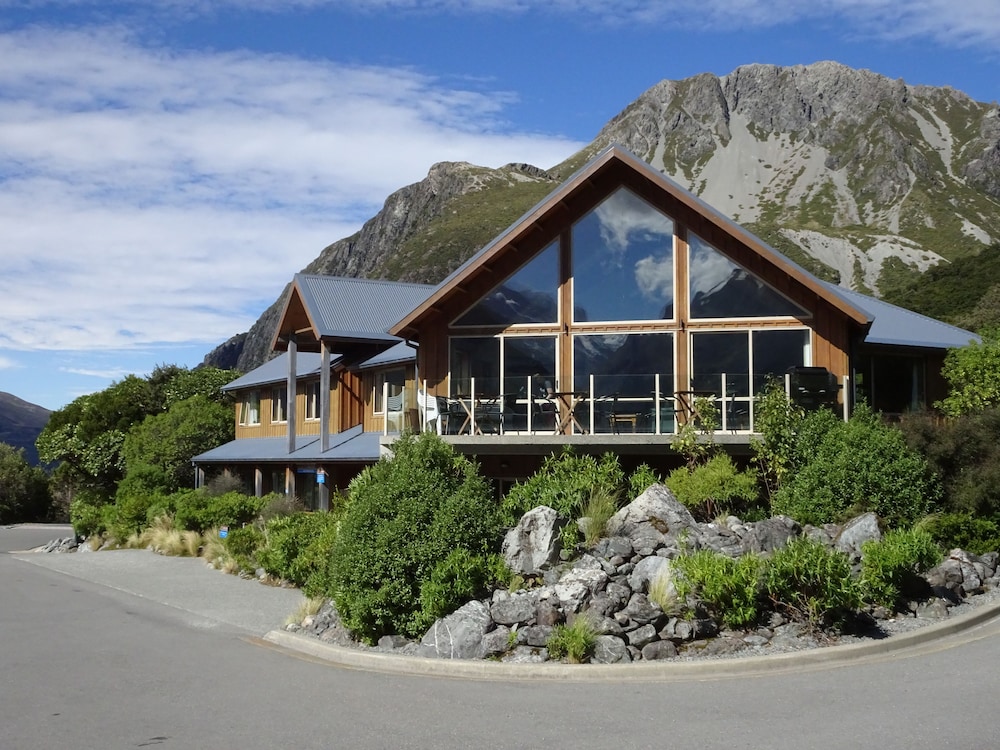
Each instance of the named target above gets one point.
<point>841,168</point>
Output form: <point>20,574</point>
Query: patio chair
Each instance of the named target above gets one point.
<point>434,412</point>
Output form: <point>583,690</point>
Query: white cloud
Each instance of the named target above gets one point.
<point>8,364</point>
<point>109,374</point>
<point>152,196</point>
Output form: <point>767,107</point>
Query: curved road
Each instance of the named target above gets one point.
<point>88,664</point>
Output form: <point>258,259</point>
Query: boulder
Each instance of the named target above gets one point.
<point>856,532</point>
<point>654,518</point>
<point>609,649</point>
<point>770,534</point>
<point>659,650</point>
<point>647,570</point>
<point>534,544</point>
<point>460,634</point>
<point>510,608</point>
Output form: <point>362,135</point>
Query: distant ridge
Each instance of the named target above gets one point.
<point>20,424</point>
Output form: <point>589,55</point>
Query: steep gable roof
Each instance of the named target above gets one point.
<point>345,310</point>
<point>609,169</point>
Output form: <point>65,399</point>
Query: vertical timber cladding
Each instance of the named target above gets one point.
<point>351,402</point>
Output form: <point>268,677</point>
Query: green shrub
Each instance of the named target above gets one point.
<point>459,578</point>
<point>641,480</point>
<point>575,641</point>
<point>964,452</point>
<point>564,483</point>
<point>244,544</point>
<point>857,466</point>
<point>891,566</point>
<point>86,518</point>
<point>962,531</point>
<point>406,513</point>
<point>714,487</point>
<point>297,546</point>
<point>812,582</point>
<point>198,511</point>
<point>729,587</point>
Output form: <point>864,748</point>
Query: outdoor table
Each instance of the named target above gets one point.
<point>687,402</point>
<point>568,401</point>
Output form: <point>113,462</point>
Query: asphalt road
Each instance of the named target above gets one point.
<point>89,664</point>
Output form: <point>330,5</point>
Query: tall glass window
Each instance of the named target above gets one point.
<point>531,295</point>
<point>623,262</point>
<point>719,288</point>
<point>625,369</point>
<point>722,363</point>
<point>475,357</point>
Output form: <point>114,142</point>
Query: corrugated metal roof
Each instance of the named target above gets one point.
<point>276,370</point>
<point>348,308</point>
<point>396,354</point>
<point>897,326</point>
<point>351,445</point>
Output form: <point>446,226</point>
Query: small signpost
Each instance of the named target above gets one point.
<point>223,532</point>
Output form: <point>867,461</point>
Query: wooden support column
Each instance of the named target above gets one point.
<point>324,397</point>
<point>682,376</point>
<point>290,405</point>
<point>258,482</point>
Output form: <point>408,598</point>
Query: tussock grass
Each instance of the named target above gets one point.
<point>190,543</point>
<point>601,505</point>
<point>662,591</point>
<point>308,608</point>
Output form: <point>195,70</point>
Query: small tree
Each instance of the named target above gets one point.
<point>405,515</point>
<point>973,372</point>
<point>24,489</point>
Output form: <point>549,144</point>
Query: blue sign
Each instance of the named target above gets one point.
<point>320,477</point>
<point>223,532</point>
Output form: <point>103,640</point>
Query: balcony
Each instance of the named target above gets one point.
<point>634,412</point>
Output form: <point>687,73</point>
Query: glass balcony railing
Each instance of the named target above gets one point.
<point>640,404</point>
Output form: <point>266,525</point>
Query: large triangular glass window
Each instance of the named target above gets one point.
<point>531,295</point>
<point>720,288</point>
<point>623,262</point>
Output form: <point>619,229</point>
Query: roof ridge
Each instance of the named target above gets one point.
<point>358,279</point>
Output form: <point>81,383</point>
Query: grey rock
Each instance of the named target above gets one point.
<point>652,517</point>
<point>534,544</point>
<point>526,655</point>
<point>856,532</point>
<point>658,650</point>
<point>646,571</point>
<point>460,634</point>
<point>392,642</point>
<point>496,642</point>
<point>641,636</point>
<point>609,649</point>
<point>770,534</point>
<point>509,608</point>
<point>535,635</point>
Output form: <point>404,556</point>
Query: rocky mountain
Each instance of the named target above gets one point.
<point>864,180</point>
<point>21,423</point>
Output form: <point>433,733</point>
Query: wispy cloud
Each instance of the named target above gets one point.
<point>970,23</point>
<point>8,364</point>
<point>109,374</point>
<point>149,195</point>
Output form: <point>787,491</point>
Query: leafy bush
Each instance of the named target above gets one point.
<point>85,515</point>
<point>973,372</point>
<point>564,483</point>
<point>964,452</point>
<point>130,514</point>
<point>811,581</point>
<point>857,466</point>
<point>641,480</point>
<point>962,531</point>
<point>575,641</point>
<point>198,511</point>
<point>293,549</point>
<point>406,513</point>
<point>713,487</point>
<point>459,578</point>
<point>728,587</point>
<point>890,566</point>
<point>245,544</point>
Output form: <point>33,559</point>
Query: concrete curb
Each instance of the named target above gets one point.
<point>831,657</point>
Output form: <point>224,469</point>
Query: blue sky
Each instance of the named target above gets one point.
<point>166,167</point>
